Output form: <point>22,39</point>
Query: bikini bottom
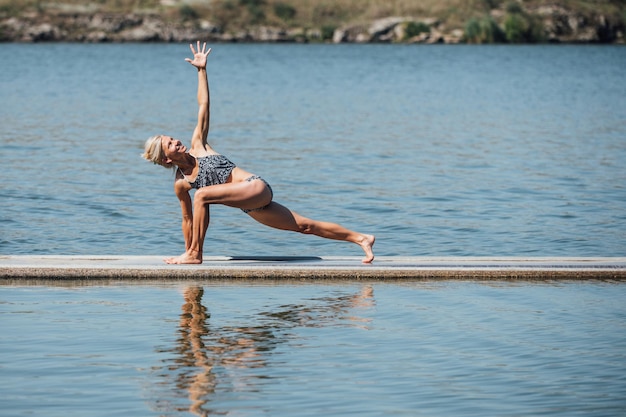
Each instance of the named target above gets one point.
<point>256,177</point>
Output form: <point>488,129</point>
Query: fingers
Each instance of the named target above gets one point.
<point>198,50</point>
<point>204,50</point>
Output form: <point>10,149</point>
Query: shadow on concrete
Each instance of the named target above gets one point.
<point>275,258</point>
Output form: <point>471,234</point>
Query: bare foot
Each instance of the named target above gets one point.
<point>367,244</point>
<point>189,257</point>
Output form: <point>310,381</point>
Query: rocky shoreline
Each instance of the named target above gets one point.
<point>558,25</point>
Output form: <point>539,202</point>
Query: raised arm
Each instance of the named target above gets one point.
<point>200,133</point>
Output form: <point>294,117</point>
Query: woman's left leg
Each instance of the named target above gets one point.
<point>280,217</point>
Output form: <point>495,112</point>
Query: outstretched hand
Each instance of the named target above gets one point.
<point>199,55</point>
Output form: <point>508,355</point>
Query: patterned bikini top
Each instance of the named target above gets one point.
<point>212,170</point>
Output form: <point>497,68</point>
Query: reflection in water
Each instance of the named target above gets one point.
<point>202,355</point>
<point>327,310</point>
<point>192,350</point>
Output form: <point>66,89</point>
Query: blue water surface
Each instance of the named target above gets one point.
<point>455,348</point>
<point>439,150</point>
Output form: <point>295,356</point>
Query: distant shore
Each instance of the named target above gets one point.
<point>510,24</point>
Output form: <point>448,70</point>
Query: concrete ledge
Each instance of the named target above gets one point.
<point>22,268</point>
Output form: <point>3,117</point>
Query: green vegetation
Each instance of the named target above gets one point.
<point>187,12</point>
<point>519,27</point>
<point>483,30</point>
<point>284,11</point>
<point>327,32</point>
<point>415,28</point>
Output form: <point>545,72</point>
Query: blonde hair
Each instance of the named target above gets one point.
<point>153,151</point>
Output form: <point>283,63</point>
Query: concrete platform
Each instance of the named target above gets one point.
<point>24,268</point>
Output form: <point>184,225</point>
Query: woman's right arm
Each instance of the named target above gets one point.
<point>186,205</point>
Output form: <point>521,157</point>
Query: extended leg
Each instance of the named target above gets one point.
<point>280,217</point>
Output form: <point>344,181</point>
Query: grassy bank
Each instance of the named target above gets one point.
<point>481,20</point>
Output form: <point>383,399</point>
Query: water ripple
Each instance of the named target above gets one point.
<point>474,150</point>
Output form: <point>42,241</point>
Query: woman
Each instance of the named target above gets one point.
<point>219,181</point>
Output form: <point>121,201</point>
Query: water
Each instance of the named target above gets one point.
<point>378,349</point>
<point>442,150</point>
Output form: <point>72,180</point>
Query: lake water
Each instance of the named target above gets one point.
<point>442,150</point>
<point>335,349</point>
